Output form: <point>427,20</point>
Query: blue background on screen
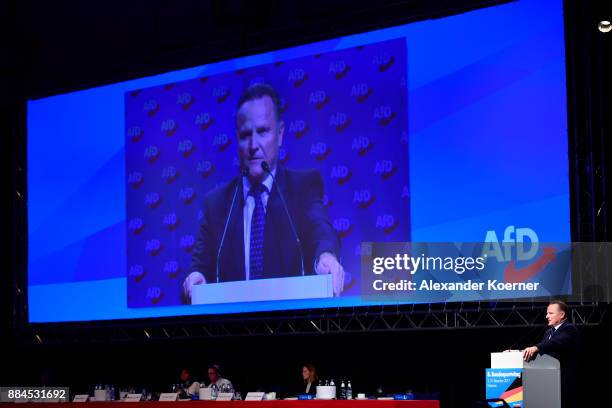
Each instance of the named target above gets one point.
<point>488,148</point>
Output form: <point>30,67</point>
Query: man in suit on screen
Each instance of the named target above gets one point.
<point>262,238</point>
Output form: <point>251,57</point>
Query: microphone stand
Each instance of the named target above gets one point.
<point>243,173</point>
<point>266,167</point>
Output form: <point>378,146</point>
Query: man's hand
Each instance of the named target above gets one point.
<point>328,263</point>
<point>194,278</point>
<point>530,353</point>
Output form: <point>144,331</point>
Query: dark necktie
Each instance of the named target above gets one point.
<point>257,233</point>
<point>551,332</point>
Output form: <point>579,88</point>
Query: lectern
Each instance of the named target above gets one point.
<point>534,384</point>
<point>298,287</point>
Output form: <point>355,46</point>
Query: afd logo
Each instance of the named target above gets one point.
<point>205,168</point>
<point>339,121</point>
<point>383,61</point>
<point>362,145</point>
<point>137,272</point>
<point>299,128</point>
<point>511,236</point>
<point>365,250</point>
<point>151,153</point>
<point>518,244</point>
<point>169,127</point>
<point>135,179</point>
<point>387,223</point>
<point>297,77</point>
<point>169,174</point>
<point>327,202</point>
<point>343,226</point>
<point>136,225</point>
<point>185,147</point>
<point>363,198</point>
<point>339,69</point>
<point>171,221</point>
<point>221,93</point>
<point>384,115</point>
<point>361,92</point>
<point>153,247</point>
<point>135,133</point>
<point>152,200</point>
<point>404,137</point>
<point>185,100</point>
<point>385,169</point>
<point>405,192</point>
<point>320,151</point>
<point>151,107</point>
<point>222,141</point>
<point>284,105</point>
<point>171,269</point>
<point>187,242</point>
<point>154,294</point>
<point>341,173</point>
<point>187,195</point>
<point>283,156</point>
<point>204,120</point>
<point>257,80</point>
<point>318,98</point>
<point>200,216</point>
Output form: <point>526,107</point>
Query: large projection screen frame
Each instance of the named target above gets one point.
<point>577,205</point>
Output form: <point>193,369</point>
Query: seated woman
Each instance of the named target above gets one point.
<point>309,374</point>
<point>188,387</point>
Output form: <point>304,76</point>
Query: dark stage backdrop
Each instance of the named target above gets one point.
<point>450,362</point>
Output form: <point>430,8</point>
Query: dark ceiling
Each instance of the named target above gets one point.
<point>57,46</point>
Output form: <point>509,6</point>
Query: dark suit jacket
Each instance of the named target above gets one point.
<point>312,391</point>
<point>303,192</point>
<point>564,346</point>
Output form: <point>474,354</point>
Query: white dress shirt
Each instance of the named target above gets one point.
<point>222,382</point>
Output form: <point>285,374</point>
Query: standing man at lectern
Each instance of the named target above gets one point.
<point>560,341</point>
<point>268,222</point>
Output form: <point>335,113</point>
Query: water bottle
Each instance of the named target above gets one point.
<point>214,391</point>
<point>342,390</point>
<point>331,383</point>
<point>349,391</point>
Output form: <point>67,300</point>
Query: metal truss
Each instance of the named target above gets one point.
<point>336,321</point>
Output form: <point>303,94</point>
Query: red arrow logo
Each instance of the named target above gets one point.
<point>514,275</point>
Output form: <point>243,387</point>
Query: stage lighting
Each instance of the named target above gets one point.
<point>604,26</point>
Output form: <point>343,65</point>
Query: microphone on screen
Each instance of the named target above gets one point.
<point>243,173</point>
<point>266,167</point>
